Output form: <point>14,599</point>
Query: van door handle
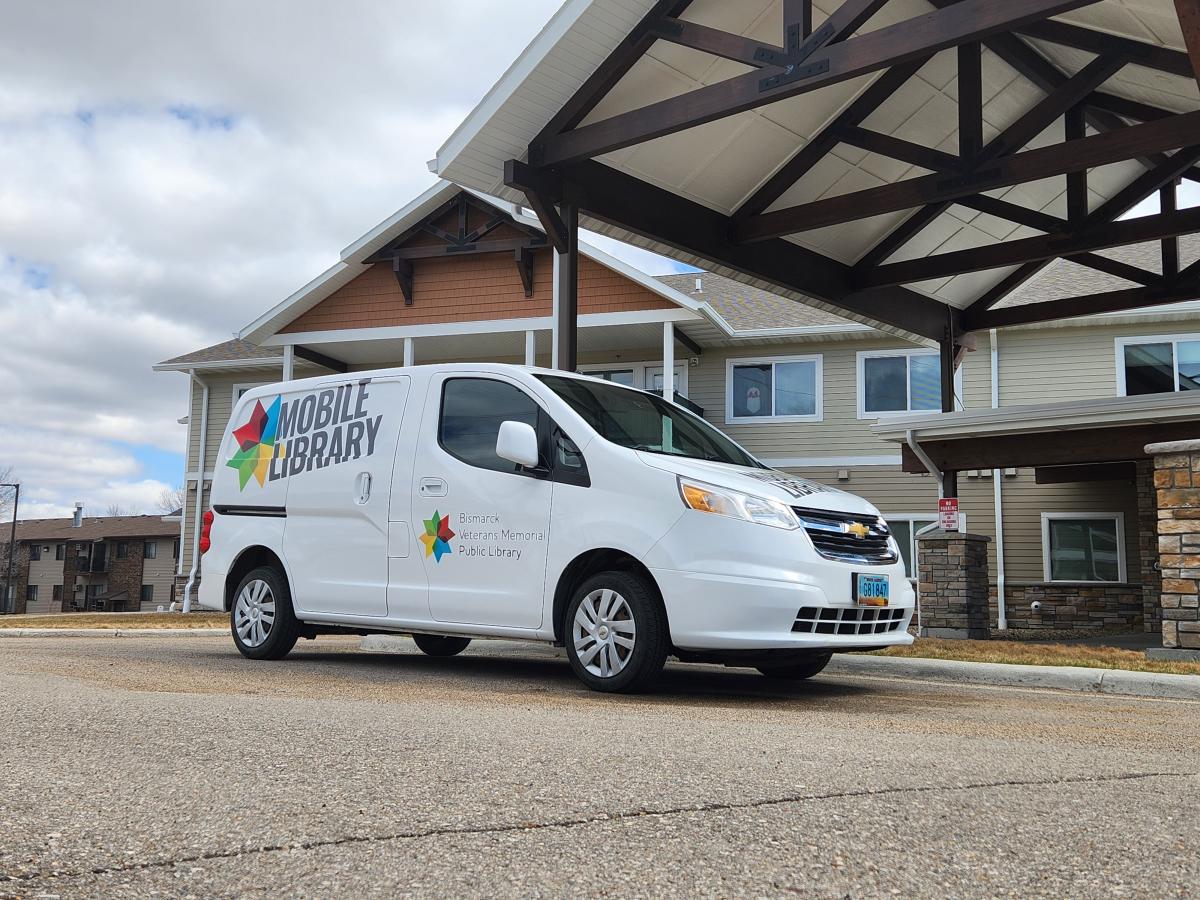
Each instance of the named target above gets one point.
<point>363,485</point>
<point>433,487</point>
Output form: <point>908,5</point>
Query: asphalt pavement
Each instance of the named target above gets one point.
<point>174,767</point>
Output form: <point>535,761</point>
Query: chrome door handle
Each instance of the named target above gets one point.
<point>433,487</point>
<point>363,484</point>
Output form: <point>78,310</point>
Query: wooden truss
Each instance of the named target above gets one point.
<point>1100,128</point>
<point>461,241</point>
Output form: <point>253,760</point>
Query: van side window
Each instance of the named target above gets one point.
<point>472,410</point>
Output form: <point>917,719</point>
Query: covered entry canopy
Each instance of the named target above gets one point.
<point>903,163</point>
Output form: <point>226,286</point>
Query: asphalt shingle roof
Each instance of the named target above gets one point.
<point>226,351</point>
<point>95,528</point>
<point>748,308</point>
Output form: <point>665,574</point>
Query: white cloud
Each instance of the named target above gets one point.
<point>171,170</point>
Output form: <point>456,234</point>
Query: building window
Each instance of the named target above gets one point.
<point>95,590</point>
<point>175,549</point>
<point>778,389</point>
<point>60,551</point>
<point>147,593</point>
<point>617,376</point>
<point>1158,365</point>
<point>895,382</point>
<point>31,593</point>
<point>1083,546</point>
<point>905,529</point>
<point>35,552</point>
<point>122,549</point>
<point>58,593</point>
<point>151,550</point>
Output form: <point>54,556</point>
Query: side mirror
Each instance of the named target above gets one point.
<point>517,442</point>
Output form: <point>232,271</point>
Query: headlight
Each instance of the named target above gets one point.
<point>724,502</point>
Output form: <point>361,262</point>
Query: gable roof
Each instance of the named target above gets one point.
<point>235,350</point>
<point>96,528</point>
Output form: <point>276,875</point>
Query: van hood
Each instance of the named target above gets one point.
<point>770,483</point>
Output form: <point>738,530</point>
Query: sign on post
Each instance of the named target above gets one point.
<point>948,514</point>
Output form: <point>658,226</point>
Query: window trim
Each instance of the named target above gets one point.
<point>925,519</point>
<point>35,551</point>
<point>639,369</point>
<point>1173,339</point>
<point>142,594</point>
<point>245,386</point>
<point>817,416</point>
<point>146,552</point>
<point>1118,517</point>
<point>861,383</point>
<point>31,593</point>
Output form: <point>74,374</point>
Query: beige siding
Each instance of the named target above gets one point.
<point>46,573</point>
<point>160,573</point>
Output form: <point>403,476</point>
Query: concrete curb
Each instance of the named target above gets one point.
<point>1060,678</point>
<point>112,632</point>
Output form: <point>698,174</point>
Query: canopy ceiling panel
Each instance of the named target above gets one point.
<point>904,163</point>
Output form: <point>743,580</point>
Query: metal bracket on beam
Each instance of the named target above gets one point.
<point>794,73</point>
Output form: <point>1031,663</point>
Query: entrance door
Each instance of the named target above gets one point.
<point>654,378</point>
<point>340,440</point>
<point>483,526</point>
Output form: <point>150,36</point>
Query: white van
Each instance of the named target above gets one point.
<point>458,501</point>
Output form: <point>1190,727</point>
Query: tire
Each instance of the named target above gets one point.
<point>438,645</point>
<point>261,618</point>
<point>600,654</point>
<point>798,671</point>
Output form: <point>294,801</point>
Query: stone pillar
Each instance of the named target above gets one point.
<point>1177,485</point>
<point>1147,521</point>
<point>954,584</point>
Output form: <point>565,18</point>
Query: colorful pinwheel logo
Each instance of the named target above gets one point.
<point>437,536</point>
<point>256,444</point>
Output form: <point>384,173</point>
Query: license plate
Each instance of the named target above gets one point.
<point>871,590</point>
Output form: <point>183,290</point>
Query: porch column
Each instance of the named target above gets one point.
<point>566,295</point>
<point>531,348</point>
<point>409,352</point>
<point>289,362</point>
<point>948,350</point>
<point>668,361</point>
<point>1177,489</point>
<point>955,589</point>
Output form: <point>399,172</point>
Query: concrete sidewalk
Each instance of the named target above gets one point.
<point>112,632</point>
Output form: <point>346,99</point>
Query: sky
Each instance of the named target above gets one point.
<point>171,170</point>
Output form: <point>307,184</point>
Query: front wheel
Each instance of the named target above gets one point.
<point>616,632</point>
<point>798,671</point>
<point>439,645</point>
<point>261,618</point>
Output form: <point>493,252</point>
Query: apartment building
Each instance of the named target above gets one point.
<point>107,564</point>
<point>458,277</point>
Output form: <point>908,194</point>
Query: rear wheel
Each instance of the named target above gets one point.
<point>616,633</point>
<point>438,645</point>
<point>798,671</point>
<point>261,617</point>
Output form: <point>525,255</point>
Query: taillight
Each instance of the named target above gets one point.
<point>206,532</point>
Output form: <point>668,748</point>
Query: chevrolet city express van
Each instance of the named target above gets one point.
<point>458,501</point>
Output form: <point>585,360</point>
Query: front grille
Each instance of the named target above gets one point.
<point>833,535</point>
<point>852,620</point>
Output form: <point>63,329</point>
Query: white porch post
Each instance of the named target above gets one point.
<point>289,362</point>
<point>409,352</point>
<point>668,361</point>
<point>530,348</point>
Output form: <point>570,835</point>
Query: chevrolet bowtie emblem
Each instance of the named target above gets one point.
<point>858,529</point>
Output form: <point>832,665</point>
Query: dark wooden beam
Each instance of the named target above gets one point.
<point>1151,56</point>
<point>1031,165</point>
<point>1048,448</point>
<point>719,43</point>
<point>797,19</point>
<point>402,268</point>
<point>612,70</point>
<point>556,229</point>
<point>1070,307</point>
<point>661,215</point>
<point>1118,471</point>
<point>795,168</point>
<point>1075,129</point>
<point>1116,268</point>
<point>970,100</point>
<point>1133,110</point>
<point>485,229</point>
<point>566,291</point>
<point>1022,215</point>
<point>1011,253</point>
<point>1168,203</point>
<point>967,20</point>
<point>1189,22</point>
<point>328,362</point>
<point>524,258</point>
<point>690,345</point>
<point>897,148</point>
<point>504,245</point>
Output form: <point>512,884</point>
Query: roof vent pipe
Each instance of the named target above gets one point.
<point>77,521</point>
<point>699,286</point>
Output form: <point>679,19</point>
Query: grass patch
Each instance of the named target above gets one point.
<point>1027,654</point>
<point>119,620</point>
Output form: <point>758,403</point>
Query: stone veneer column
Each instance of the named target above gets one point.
<point>1177,485</point>
<point>1147,520</point>
<point>954,584</point>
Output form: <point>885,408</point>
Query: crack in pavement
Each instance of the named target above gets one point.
<point>578,821</point>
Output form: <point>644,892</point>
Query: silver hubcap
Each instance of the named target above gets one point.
<point>604,633</point>
<point>254,613</point>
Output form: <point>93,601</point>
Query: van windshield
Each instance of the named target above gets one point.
<point>642,421</point>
